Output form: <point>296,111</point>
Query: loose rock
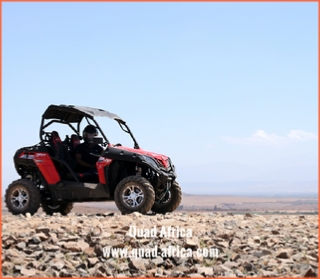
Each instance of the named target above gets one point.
<point>231,245</point>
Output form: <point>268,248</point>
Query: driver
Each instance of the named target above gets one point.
<point>83,152</point>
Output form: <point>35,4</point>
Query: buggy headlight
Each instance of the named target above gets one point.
<point>149,161</point>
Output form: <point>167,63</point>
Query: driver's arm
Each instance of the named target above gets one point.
<point>83,163</point>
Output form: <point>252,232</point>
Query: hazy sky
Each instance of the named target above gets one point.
<point>209,84</point>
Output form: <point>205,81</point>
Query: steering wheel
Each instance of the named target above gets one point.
<point>118,144</point>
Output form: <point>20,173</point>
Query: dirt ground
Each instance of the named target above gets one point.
<point>199,203</point>
<point>190,202</point>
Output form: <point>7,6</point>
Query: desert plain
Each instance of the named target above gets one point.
<point>207,236</point>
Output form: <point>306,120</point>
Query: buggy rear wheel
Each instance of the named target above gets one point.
<point>168,201</point>
<point>63,208</point>
<point>134,194</point>
<point>22,196</point>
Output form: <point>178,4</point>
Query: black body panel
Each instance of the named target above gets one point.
<point>78,191</point>
<point>119,154</point>
<point>124,155</point>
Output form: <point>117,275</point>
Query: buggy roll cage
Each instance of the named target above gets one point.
<point>67,115</point>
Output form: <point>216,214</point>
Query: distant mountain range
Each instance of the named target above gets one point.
<point>297,175</point>
<point>252,188</point>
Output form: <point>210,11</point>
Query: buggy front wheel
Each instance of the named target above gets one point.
<point>134,194</point>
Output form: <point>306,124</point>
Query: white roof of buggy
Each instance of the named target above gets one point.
<point>97,112</point>
<point>73,113</point>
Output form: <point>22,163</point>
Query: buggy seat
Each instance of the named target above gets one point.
<point>66,163</point>
<point>74,142</point>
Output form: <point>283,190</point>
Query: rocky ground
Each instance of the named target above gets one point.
<point>202,245</point>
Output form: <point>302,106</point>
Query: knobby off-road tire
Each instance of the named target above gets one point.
<point>134,194</point>
<point>171,200</point>
<point>22,196</point>
<point>63,208</point>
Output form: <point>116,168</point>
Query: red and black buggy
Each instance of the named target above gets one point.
<point>137,180</point>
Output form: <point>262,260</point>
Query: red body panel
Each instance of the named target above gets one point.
<point>47,168</point>
<point>101,164</point>
<point>162,158</point>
